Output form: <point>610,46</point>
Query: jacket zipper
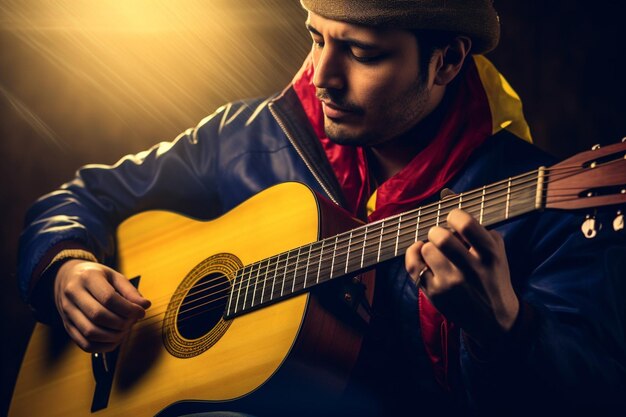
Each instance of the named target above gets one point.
<point>300,153</point>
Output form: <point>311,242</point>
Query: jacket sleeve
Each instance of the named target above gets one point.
<point>566,353</point>
<point>83,214</point>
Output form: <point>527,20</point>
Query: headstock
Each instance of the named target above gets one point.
<point>591,179</point>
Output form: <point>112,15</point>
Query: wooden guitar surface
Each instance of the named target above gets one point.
<point>163,248</point>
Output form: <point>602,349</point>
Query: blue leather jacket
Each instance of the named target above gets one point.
<point>568,352</point>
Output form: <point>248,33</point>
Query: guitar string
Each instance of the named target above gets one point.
<point>219,306</point>
<point>280,271</point>
<point>499,183</point>
<point>212,304</point>
<point>426,221</point>
<point>286,269</point>
<point>502,183</point>
<point>446,204</point>
<point>294,270</point>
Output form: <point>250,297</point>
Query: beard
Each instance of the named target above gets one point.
<point>377,122</point>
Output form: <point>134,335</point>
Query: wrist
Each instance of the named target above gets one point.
<point>41,298</point>
<point>509,315</point>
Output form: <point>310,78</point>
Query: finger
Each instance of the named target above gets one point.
<point>452,248</point>
<point>438,263</point>
<point>105,294</point>
<point>443,273</point>
<point>472,232</point>
<point>413,261</point>
<point>90,347</point>
<point>128,290</point>
<point>90,331</point>
<point>99,314</point>
<point>82,342</point>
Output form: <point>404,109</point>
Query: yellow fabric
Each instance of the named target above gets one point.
<point>70,254</point>
<point>504,103</point>
<point>371,204</point>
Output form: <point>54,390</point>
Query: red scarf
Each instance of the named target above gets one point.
<point>466,125</point>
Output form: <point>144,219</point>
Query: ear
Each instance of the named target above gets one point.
<point>449,60</point>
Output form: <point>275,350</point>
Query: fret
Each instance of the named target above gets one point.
<point>460,200</point>
<point>482,206</point>
<point>496,208</point>
<point>256,282</point>
<point>339,262</point>
<point>363,250</point>
<point>508,198</point>
<point>524,191</point>
<point>371,244</point>
<point>417,224</point>
<point>295,272</point>
<point>395,251</point>
<point>348,252</point>
<point>471,205</point>
<point>319,264</point>
<point>282,287</point>
<point>438,213</point>
<point>232,291</point>
<point>332,262</point>
<point>247,290</point>
<point>380,240</point>
<point>239,291</point>
<point>306,270</point>
<point>389,244</point>
<point>540,184</point>
<point>275,274</point>
<point>261,277</point>
<point>267,269</point>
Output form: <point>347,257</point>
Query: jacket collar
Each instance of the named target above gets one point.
<point>288,112</point>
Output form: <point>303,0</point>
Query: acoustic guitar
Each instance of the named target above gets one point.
<point>263,309</point>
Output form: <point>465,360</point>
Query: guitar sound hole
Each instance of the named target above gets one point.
<point>203,306</point>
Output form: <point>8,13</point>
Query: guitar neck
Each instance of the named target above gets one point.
<point>299,269</point>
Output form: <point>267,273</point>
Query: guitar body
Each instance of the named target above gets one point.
<point>294,354</point>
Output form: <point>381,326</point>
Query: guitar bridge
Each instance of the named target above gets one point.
<point>103,368</point>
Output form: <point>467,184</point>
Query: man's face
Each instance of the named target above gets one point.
<point>368,80</point>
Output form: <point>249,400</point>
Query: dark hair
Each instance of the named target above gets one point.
<point>428,42</point>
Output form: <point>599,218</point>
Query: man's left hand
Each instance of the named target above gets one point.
<point>465,273</point>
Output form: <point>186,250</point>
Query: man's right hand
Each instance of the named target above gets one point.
<point>97,304</point>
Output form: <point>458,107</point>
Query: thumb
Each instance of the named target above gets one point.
<point>123,286</point>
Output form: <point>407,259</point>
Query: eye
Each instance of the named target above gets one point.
<point>365,57</point>
<point>318,43</point>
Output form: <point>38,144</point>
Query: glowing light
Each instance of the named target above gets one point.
<point>162,62</point>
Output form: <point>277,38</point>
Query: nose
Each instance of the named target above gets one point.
<point>329,71</point>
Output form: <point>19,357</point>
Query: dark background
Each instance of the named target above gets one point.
<point>86,82</point>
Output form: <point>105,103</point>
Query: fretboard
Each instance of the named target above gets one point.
<point>297,270</point>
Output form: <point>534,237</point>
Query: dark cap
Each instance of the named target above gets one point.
<point>476,19</point>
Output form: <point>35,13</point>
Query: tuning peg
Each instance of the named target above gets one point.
<point>590,227</point>
<point>595,147</point>
<point>618,222</point>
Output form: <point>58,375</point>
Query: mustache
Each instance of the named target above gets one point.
<point>338,99</point>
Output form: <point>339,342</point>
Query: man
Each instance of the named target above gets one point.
<point>392,108</point>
